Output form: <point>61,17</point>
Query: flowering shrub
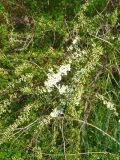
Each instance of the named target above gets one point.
<point>59,80</point>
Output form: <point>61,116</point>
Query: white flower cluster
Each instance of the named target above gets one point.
<point>62,89</point>
<point>55,78</point>
<point>56,113</point>
<point>108,104</point>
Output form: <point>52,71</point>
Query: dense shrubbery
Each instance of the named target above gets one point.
<point>60,79</point>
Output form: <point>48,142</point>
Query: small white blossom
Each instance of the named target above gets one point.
<point>62,89</point>
<point>77,103</point>
<point>75,40</point>
<point>56,113</point>
<point>108,104</point>
<point>64,69</point>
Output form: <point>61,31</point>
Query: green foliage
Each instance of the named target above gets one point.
<point>59,79</point>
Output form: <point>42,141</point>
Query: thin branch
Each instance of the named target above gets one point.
<point>82,153</point>
<point>64,144</point>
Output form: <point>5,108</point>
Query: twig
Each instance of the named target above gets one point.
<point>82,153</point>
<point>64,144</point>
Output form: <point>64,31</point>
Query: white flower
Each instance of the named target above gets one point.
<point>62,89</point>
<point>56,113</point>
<point>64,69</point>
<point>77,103</point>
<point>75,40</point>
<point>108,104</point>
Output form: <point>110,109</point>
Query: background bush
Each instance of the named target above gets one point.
<point>37,38</point>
